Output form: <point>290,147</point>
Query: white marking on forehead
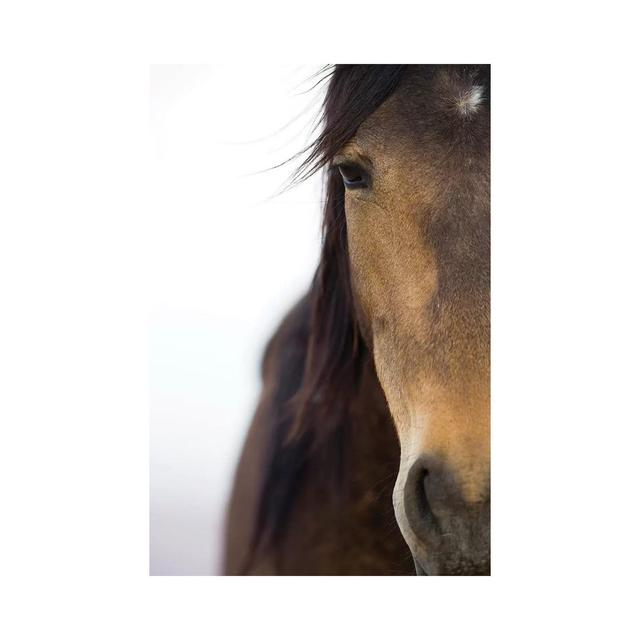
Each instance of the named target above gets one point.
<point>469,101</point>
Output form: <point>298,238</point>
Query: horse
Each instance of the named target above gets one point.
<point>369,451</point>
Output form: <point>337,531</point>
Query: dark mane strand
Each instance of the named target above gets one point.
<point>316,416</point>
<point>353,94</point>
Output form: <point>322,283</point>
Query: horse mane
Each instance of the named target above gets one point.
<point>313,416</point>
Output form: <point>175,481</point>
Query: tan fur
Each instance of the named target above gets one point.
<point>431,350</point>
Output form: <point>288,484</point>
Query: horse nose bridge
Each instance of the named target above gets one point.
<point>452,444</point>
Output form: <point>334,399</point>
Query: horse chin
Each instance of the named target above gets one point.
<point>452,565</point>
<point>451,555</point>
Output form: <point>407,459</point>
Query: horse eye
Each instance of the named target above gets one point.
<point>353,176</point>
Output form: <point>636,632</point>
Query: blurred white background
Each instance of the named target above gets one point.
<point>229,256</point>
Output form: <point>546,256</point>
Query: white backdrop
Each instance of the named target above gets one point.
<point>73,362</point>
<point>229,256</point>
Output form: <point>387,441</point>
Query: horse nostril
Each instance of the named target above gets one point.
<point>439,520</point>
<point>416,502</point>
<point>430,491</point>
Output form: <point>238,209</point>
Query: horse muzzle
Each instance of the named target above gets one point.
<point>447,534</point>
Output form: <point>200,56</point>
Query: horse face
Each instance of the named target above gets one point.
<point>416,180</point>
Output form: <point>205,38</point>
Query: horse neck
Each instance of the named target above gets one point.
<point>363,453</point>
<point>344,509</point>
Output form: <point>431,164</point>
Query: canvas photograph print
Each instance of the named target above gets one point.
<point>321,320</point>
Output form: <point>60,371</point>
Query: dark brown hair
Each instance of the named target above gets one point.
<point>315,409</point>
